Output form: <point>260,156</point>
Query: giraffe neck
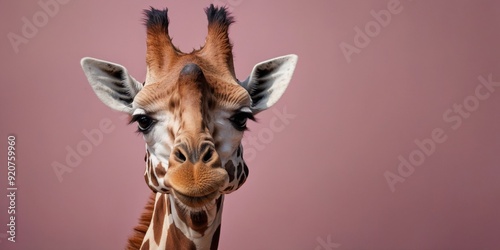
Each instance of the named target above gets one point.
<point>175,227</point>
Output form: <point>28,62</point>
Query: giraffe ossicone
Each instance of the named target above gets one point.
<point>192,112</point>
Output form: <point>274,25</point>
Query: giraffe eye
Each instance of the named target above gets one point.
<point>144,122</point>
<point>239,120</point>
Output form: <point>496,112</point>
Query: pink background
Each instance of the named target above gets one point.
<point>319,178</point>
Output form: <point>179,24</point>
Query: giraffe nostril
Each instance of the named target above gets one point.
<point>208,155</point>
<point>180,156</point>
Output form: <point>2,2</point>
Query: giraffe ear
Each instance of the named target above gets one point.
<point>111,83</point>
<point>268,81</point>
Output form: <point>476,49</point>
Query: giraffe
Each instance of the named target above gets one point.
<point>192,112</point>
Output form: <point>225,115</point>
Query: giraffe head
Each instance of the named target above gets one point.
<point>191,109</point>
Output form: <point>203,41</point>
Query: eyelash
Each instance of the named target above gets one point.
<point>238,120</point>
<point>241,125</point>
<point>146,128</point>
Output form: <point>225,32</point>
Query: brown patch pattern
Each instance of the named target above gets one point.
<point>240,169</point>
<point>241,181</point>
<point>230,170</point>
<point>169,208</point>
<point>145,246</point>
<point>177,240</point>
<point>154,181</point>
<point>160,171</point>
<point>194,220</point>
<point>181,213</point>
<point>198,221</point>
<point>146,178</point>
<point>160,92</point>
<point>219,203</point>
<point>215,239</point>
<point>135,241</point>
<point>239,152</point>
<point>245,169</point>
<point>158,218</point>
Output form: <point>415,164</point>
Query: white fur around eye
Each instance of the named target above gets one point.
<point>157,140</point>
<point>246,110</point>
<point>139,111</point>
<point>227,136</point>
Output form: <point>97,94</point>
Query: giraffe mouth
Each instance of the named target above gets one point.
<point>195,201</point>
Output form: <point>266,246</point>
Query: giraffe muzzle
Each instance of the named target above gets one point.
<point>195,177</point>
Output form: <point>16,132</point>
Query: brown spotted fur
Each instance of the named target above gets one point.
<point>135,240</point>
<point>164,64</point>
